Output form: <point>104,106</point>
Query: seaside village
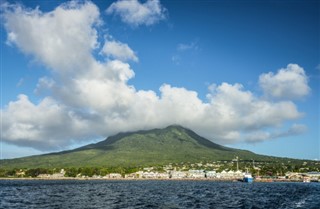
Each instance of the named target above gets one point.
<point>173,172</point>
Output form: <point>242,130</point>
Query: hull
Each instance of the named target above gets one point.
<point>248,179</point>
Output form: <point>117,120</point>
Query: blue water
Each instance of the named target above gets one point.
<point>156,194</point>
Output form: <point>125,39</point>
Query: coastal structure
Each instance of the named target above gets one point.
<point>59,175</point>
<point>113,176</point>
<point>219,171</point>
<point>306,177</point>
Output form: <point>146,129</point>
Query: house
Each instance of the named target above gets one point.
<point>58,175</point>
<point>131,176</point>
<point>113,176</point>
<point>20,173</point>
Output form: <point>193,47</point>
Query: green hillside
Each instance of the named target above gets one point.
<point>173,144</point>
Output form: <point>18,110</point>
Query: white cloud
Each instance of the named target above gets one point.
<point>288,83</point>
<point>44,83</point>
<point>241,111</point>
<point>294,130</point>
<point>119,50</point>
<point>62,39</point>
<point>184,47</point>
<point>176,59</point>
<point>135,13</point>
<point>44,126</point>
<point>84,98</point>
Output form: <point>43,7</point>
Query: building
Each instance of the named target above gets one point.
<point>211,174</point>
<point>195,174</point>
<point>178,174</point>
<point>113,176</point>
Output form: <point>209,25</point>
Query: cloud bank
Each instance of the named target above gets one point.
<point>84,98</point>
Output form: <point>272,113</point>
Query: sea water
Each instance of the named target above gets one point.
<point>156,194</point>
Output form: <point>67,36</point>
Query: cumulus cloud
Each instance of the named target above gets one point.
<point>60,39</point>
<point>84,98</point>
<point>135,13</point>
<point>39,126</point>
<point>288,83</point>
<point>119,51</point>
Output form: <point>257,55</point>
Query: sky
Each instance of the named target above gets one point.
<point>244,74</point>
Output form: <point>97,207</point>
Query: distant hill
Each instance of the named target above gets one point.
<point>173,144</point>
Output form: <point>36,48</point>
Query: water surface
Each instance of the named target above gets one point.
<point>156,194</point>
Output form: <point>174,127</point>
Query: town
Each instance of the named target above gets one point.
<point>233,170</point>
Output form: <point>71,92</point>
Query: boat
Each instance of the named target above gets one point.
<point>247,177</point>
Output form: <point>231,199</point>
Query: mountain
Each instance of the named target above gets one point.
<point>173,144</point>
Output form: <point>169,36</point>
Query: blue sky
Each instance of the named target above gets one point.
<point>242,73</point>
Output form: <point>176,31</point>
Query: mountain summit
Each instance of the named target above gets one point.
<point>172,144</point>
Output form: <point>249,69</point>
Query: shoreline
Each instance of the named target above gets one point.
<point>152,179</point>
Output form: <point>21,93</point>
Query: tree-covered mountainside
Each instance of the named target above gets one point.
<point>173,144</point>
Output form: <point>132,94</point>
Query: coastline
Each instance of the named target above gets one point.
<point>151,179</point>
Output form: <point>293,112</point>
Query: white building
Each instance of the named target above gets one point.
<point>154,175</point>
<point>313,174</point>
<point>54,176</point>
<point>196,174</point>
<point>163,175</point>
<point>178,174</point>
<point>230,174</point>
<point>113,176</point>
<point>211,174</point>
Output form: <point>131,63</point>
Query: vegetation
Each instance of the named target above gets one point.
<point>266,169</point>
<point>127,152</point>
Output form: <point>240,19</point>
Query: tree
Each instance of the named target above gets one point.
<point>34,172</point>
<point>71,172</point>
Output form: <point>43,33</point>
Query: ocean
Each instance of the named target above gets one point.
<point>87,194</point>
